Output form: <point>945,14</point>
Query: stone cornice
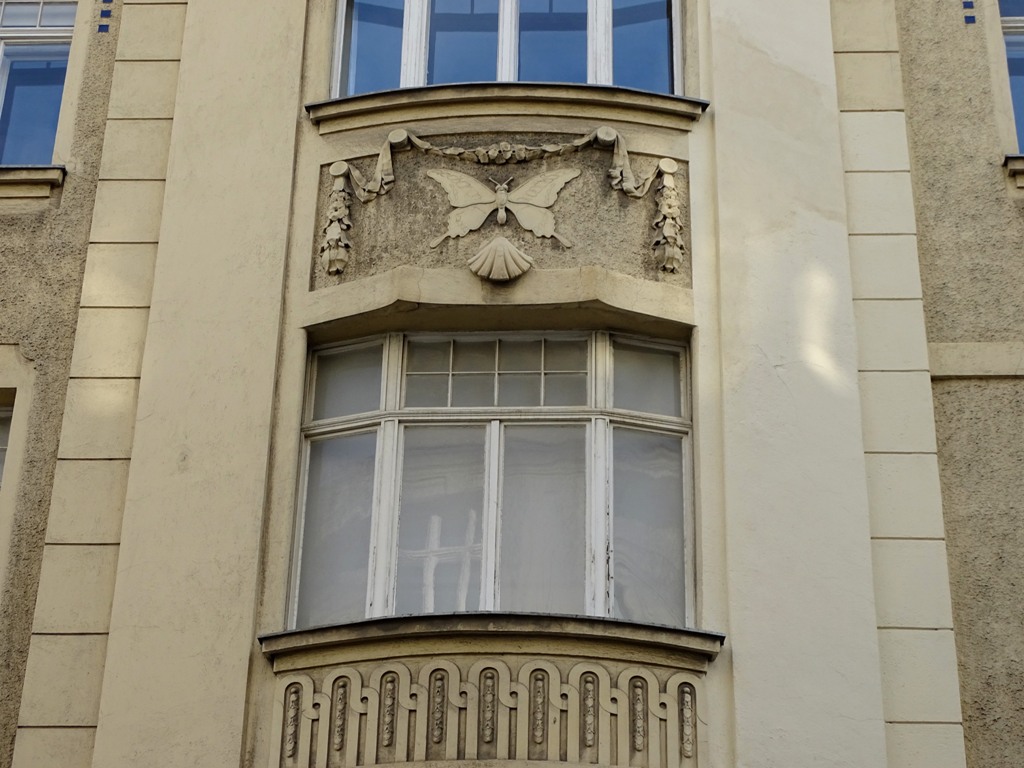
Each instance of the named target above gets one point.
<point>596,103</point>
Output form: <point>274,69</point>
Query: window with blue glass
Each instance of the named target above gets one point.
<point>1013,31</point>
<point>34,44</point>
<point>386,44</point>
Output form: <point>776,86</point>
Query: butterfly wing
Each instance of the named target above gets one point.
<point>463,190</point>
<point>540,221</point>
<point>462,221</point>
<point>541,190</point>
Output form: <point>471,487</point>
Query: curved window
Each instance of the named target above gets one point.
<point>522,473</point>
<point>385,44</point>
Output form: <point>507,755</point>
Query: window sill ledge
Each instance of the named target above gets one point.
<point>492,634</point>
<point>504,100</point>
<point>1014,165</point>
<point>30,181</point>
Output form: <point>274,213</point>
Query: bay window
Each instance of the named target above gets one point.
<point>385,44</point>
<point>538,473</point>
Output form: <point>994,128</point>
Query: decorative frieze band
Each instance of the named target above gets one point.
<point>486,709</point>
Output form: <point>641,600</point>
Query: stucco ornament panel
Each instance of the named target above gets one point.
<point>507,708</point>
<point>528,195</point>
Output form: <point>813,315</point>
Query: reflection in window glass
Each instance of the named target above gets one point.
<point>347,382</point>
<point>58,15</point>
<point>1011,7</point>
<point>463,41</point>
<point>647,547</point>
<point>339,504</point>
<point>642,44</point>
<point>553,40</point>
<point>440,521</point>
<point>20,15</point>
<point>5,434</point>
<point>33,77</point>
<point>542,559</point>
<point>374,45</point>
<point>1015,59</point>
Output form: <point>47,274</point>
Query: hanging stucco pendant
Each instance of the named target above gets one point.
<point>500,261</point>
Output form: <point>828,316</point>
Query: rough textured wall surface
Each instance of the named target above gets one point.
<point>42,257</point>
<point>981,461</point>
<point>970,233</point>
<point>970,224</point>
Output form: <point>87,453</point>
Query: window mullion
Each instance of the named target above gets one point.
<point>386,497</point>
<point>677,49</point>
<point>508,40</point>
<point>599,42</point>
<point>492,486</point>
<point>415,43</point>
<point>598,528</point>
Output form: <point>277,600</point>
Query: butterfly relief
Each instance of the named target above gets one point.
<point>528,203</point>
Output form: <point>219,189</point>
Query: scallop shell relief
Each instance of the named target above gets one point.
<point>500,261</point>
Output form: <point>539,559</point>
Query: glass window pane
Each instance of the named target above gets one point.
<point>565,355</point>
<point>565,389</point>
<point>440,525</point>
<point>347,382</point>
<point>1015,59</point>
<point>542,560</point>
<point>31,102</point>
<point>473,390</point>
<point>519,389</point>
<point>5,434</point>
<point>428,356</point>
<point>642,44</point>
<point>646,380</point>
<point>373,40</point>
<point>463,41</point>
<point>553,41</point>
<point>59,15</point>
<point>648,543</point>
<point>473,356</point>
<point>336,531</point>
<point>519,355</point>
<point>426,390</point>
<point>1011,7</point>
<point>20,15</point>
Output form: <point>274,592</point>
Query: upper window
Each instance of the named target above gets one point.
<point>387,44</point>
<point>1013,30</point>
<point>34,44</point>
<point>522,473</point>
<point>5,435</point>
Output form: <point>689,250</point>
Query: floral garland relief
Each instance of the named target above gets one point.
<point>473,203</point>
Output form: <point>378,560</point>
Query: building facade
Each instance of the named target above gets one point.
<point>625,384</point>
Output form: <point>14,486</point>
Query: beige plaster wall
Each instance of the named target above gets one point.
<point>970,222</point>
<point>42,253</point>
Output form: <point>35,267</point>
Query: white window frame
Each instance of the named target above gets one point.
<point>598,416</point>
<point>415,43</point>
<point>14,37</point>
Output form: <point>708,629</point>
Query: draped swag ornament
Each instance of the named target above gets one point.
<point>669,244</point>
<point>487,709</point>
